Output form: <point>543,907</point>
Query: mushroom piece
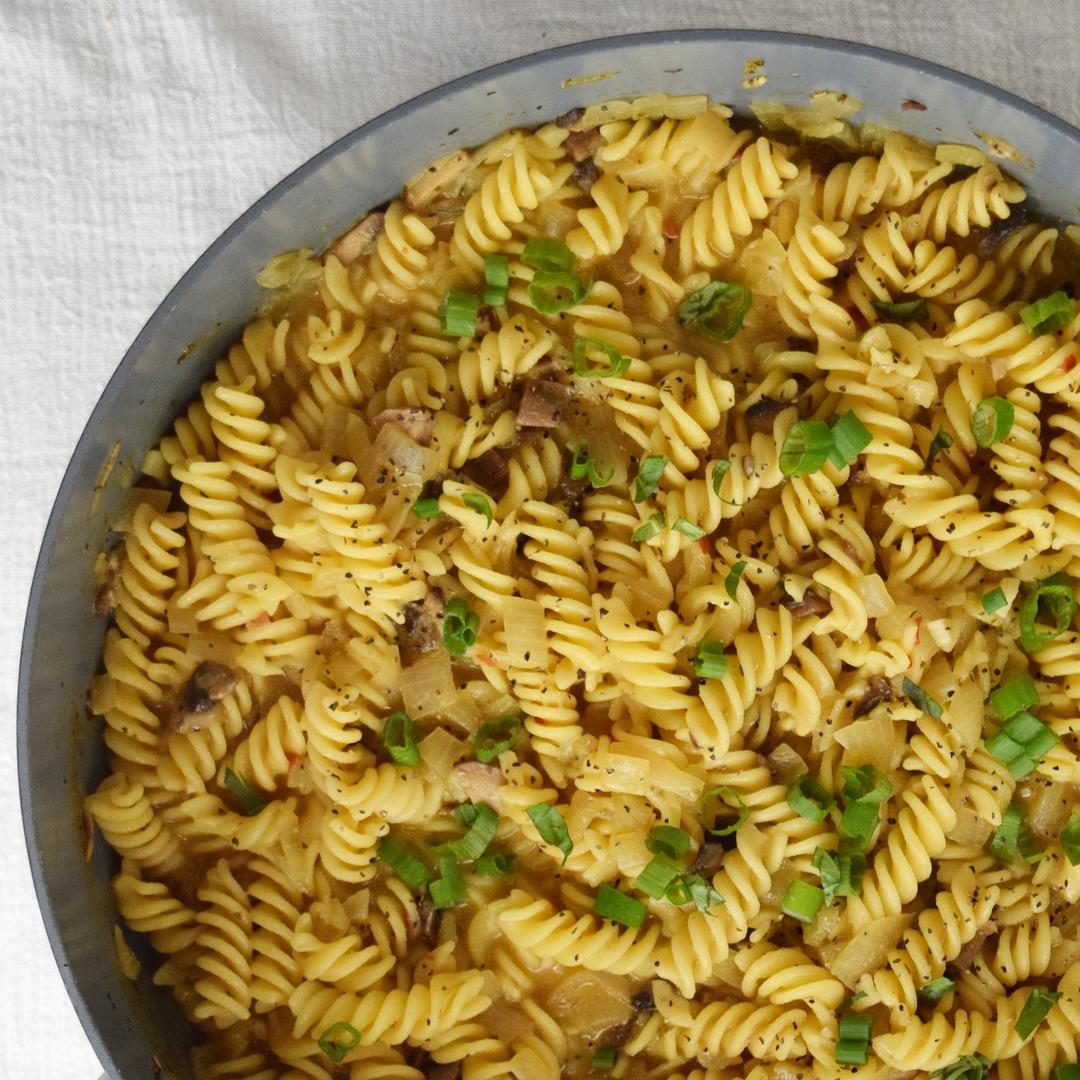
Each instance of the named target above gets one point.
<point>581,144</point>
<point>542,404</point>
<point>968,954</point>
<point>490,470</point>
<point>878,689</point>
<point>810,604</point>
<point>480,782</point>
<point>586,174</point>
<point>417,423</point>
<point>709,859</point>
<point>209,683</point>
<point>430,918</point>
<point>420,630</point>
<point>357,240</point>
<point>422,189</point>
<point>570,117</point>
<point>760,415</point>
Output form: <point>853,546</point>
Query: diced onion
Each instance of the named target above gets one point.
<point>588,1002</point>
<point>970,829</point>
<point>965,710</point>
<point>875,595</point>
<point>873,740</point>
<point>526,632</point>
<point>786,764</point>
<point>428,685</point>
<point>868,949</point>
<point>440,751</point>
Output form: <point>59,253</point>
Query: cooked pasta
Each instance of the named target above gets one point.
<point>614,611</point>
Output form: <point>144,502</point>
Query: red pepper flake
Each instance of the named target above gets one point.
<point>262,619</point>
<point>487,658</point>
<point>671,229</point>
<point>704,545</point>
<point>1069,362</point>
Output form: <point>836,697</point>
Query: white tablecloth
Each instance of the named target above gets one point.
<point>133,131</point>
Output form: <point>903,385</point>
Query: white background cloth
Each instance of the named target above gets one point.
<point>132,133</point>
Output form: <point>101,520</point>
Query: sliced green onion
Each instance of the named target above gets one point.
<point>866,783</point>
<point>479,504</point>
<point>403,862</point>
<point>1021,743</point>
<point>942,440</point>
<point>617,363</point>
<point>449,889</point>
<point>992,420</point>
<point>337,1040</point>
<point>809,799</point>
<point>1070,839</point>
<point>709,661</point>
<point>806,448</point>
<point>552,291</point>
<point>731,582</point>
<point>551,827</point>
<point>495,737</point>
<point>618,907</point>
<point>399,738</point>
<point>849,439</point>
<point>458,312</point>
<point>1050,314</point>
<point>251,802</point>
<point>702,894</point>
<point>841,874</point>
<point>460,624</point>
<point>494,866</point>
<point>496,279</point>
<point>802,901</point>
<point>657,876</point>
<point>717,310</point>
<point>541,253</point>
<point>709,816</point>
<point>858,822</point>
<point>930,993</point>
<point>649,528</point>
<point>851,999</point>
<point>853,1039</point>
<point>668,840</point>
<point>993,601</point>
<point>1054,597</point>
<point>426,508</point>
<point>688,529</point>
<point>481,832</point>
<point>1067,1072</point>
<point>969,1067</point>
<point>649,473</point>
<point>582,467</point>
<point>921,699</point>
<point>1014,696</point>
<point>1005,843</point>
<point>466,813</point>
<point>1035,1010</point>
<point>604,1057</point>
<point>902,310</point>
<point>719,471</point>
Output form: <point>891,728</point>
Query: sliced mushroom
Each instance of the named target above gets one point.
<point>643,1001</point>
<point>618,1034</point>
<point>418,424</point>
<point>810,604</point>
<point>426,185</point>
<point>570,117</point>
<point>430,918</point>
<point>359,238</point>
<point>542,404</point>
<point>420,630</point>
<point>490,470</point>
<point>968,954</point>
<point>209,683</point>
<point>480,782</point>
<point>586,174</point>
<point>581,144</point>
<point>760,415</point>
<point>879,689</point>
<point>709,859</point>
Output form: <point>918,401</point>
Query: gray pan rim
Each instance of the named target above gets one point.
<point>751,38</point>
